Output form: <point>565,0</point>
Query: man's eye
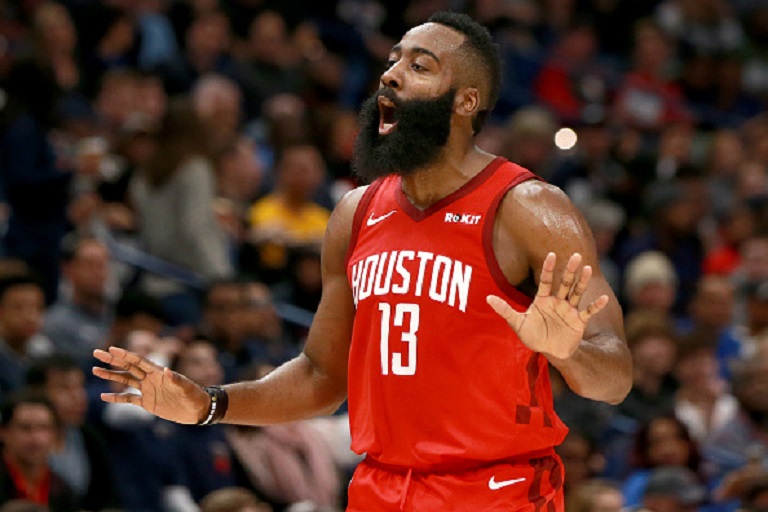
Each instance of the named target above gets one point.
<point>390,63</point>
<point>418,67</point>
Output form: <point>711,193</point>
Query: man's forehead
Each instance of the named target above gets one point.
<point>435,37</point>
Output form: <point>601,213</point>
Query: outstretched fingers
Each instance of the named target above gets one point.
<point>593,308</point>
<point>547,275</point>
<point>569,276</point>
<point>581,286</point>
<point>123,377</point>
<point>122,398</point>
<point>504,310</point>
<point>133,363</point>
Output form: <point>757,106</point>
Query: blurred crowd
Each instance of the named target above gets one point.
<point>167,169</point>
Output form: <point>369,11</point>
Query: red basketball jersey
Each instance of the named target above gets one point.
<point>436,378</point>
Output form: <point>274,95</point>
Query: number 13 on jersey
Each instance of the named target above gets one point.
<point>403,312</point>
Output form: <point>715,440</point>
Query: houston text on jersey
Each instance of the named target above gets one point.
<point>439,277</point>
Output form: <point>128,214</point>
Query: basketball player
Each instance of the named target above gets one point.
<point>449,284</point>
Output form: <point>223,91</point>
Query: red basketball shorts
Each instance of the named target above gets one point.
<point>534,485</point>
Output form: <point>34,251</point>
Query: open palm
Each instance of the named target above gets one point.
<point>163,392</point>
<point>553,324</point>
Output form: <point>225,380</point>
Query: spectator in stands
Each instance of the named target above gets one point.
<point>702,401</point>
<point>595,495</point>
<point>673,489</point>
<point>34,181</point>
<point>271,63</point>
<point>79,453</point>
<point>529,139</point>
<point>263,326</point>
<point>572,79</point>
<point>80,320</point>
<point>287,463</point>
<point>711,320</point>
<point>207,41</point>
<point>648,99</point>
<point>28,429</point>
<point>651,339</point>
<point>288,217</point>
<point>233,499</point>
<point>22,306</point>
<point>663,441</point>
<point>149,476</point>
<point>673,215</point>
<point>742,441</point>
<point>174,199</point>
<point>205,456</point>
<point>650,283</point>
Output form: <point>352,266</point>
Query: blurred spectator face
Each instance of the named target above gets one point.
<point>699,371</point>
<point>594,495</point>
<point>239,172</point>
<point>55,28</point>
<point>578,458</point>
<point>261,320</point>
<point>222,306</point>
<point>712,306</point>
<point>667,445</point>
<point>218,102</point>
<point>286,115</point>
<point>151,99</point>
<point>268,39</point>
<point>579,45</point>
<point>654,355</point>
<point>754,258</point>
<point>28,438</point>
<point>607,500</point>
<point>88,271</point>
<point>207,38</point>
<point>751,181</point>
<point>199,361</point>
<point>21,313</point>
<point>676,142</point>
<point>750,385</point>
<point>658,295</point>
<point>726,153</point>
<point>301,172</point>
<point>116,100</point>
<point>652,49</point>
<point>66,391</point>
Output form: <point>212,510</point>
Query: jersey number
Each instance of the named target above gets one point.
<point>408,336</point>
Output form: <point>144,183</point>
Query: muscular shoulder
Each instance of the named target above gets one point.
<point>533,219</point>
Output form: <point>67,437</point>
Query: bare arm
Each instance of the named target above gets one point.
<point>536,219</point>
<point>316,381</point>
<point>313,383</point>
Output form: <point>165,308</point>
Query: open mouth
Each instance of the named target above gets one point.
<point>387,121</point>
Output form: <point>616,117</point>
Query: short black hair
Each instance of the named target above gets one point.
<point>15,280</point>
<point>487,60</point>
<point>21,397</point>
<point>38,373</point>
<point>134,302</point>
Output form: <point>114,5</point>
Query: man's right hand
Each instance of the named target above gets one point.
<point>164,393</point>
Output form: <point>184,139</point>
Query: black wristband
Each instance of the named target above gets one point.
<point>219,404</point>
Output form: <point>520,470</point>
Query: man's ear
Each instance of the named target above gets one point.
<point>467,102</point>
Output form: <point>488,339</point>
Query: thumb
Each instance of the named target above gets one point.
<point>505,311</point>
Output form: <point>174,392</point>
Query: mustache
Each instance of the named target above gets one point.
<point>390,94</point>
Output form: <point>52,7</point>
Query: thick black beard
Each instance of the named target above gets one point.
<point>423,127</point>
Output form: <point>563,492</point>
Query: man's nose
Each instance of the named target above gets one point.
<point>391,77</point>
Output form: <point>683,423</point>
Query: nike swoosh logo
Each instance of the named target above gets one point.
<point>375,220</point>
<point>495,486</point>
